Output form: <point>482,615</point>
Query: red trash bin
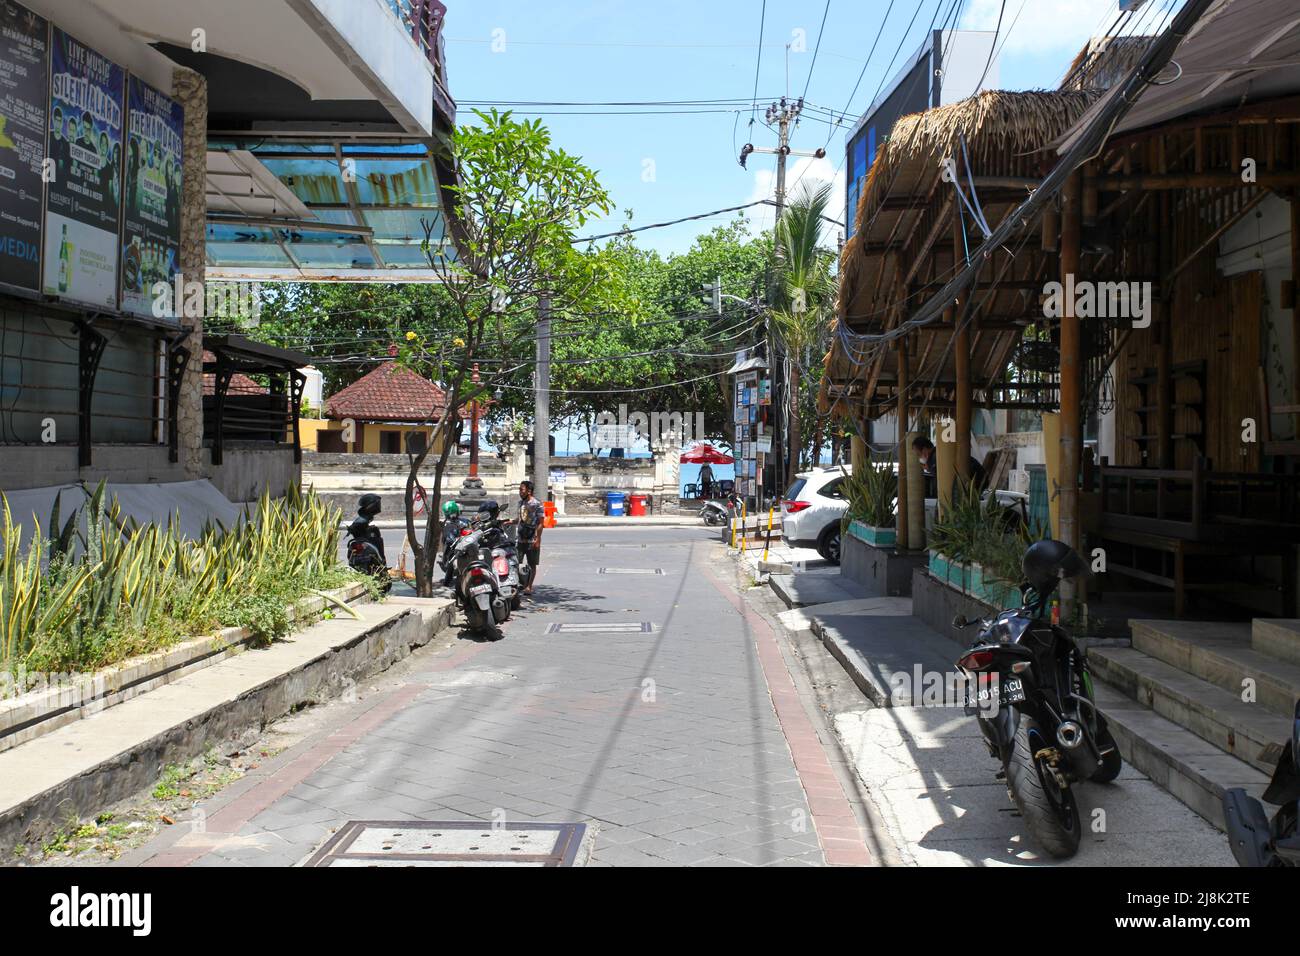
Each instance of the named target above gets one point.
<point>637,508</point>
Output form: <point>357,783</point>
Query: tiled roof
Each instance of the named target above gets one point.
<point>390,393</point>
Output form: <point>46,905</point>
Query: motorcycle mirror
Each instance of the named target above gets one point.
<point>959,622</point>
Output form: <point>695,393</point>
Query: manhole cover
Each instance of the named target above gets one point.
<point>460,843</point>
<point>630,571</point>
<point>604,627</point>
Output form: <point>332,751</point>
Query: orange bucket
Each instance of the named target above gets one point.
<point>549,520</point>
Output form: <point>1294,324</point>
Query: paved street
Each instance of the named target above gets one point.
<point>678,738</point>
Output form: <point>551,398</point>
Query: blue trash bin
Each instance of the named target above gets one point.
<point>614,503</point>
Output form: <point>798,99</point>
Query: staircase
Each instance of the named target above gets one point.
<point>1174,701</point>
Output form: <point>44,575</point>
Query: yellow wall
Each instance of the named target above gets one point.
<point>367,433</point>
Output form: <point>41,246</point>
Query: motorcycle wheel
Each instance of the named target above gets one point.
<point>480,622</point>
<point>1049,811</point>
<point>517,601</point>
<point>713,519</point>
<point>1112,763</point>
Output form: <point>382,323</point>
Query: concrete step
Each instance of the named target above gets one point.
<point>1215,715</point>
<point>1276,637</point>
<point>1193,770</point>
<point>1223,655</point>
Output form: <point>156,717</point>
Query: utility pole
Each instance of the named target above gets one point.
<point>783,116</point>
<point>542,415</point>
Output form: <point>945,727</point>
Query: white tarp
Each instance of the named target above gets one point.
<point>192,502</point>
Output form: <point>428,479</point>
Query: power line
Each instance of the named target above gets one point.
<point>673,222</point>
<point>816,49</point>
<point>762,22</point>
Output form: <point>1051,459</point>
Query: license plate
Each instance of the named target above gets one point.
<point>479,589</point>
<point>1011,690</point>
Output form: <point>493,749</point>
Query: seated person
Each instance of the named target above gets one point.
<point>925,454</point>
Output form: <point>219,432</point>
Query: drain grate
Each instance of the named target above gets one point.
<point>604,627</point>
<point>446,843</point>
<point>630,571</point>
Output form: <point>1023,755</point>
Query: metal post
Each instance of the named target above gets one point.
<point>542,417</point>
<point>473,425</point>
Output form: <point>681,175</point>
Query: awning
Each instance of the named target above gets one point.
<point>1240,52</point>
<point>325,210</point>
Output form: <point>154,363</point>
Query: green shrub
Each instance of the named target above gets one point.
<point>130,588</point>
<point>871,495</point>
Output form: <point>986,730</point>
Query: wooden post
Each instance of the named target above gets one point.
<point>961,359</point>
<point>905,463</point>
<point>1295,305</point>
<point>1071,436</point>
<point>1165,348</point>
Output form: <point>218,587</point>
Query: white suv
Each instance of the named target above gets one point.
<point>812,508</point>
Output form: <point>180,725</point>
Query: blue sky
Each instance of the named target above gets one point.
<point>668,166</point>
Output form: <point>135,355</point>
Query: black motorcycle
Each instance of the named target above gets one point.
<point>365,547</point>
<point>1029,685</point>
<point>478,579</point>
<point>1255,840</point>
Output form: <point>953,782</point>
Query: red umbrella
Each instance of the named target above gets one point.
<point>704,453</point>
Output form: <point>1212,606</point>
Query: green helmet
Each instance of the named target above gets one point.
<point>450,510</point>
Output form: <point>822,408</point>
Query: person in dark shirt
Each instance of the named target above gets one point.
<point>924,449</point>
<point>531,521</point>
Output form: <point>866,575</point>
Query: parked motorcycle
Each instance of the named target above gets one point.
<point>1029,686</point>
<point>365,547</point>
<point>716,513</point>
<point>1255,840</point>
<point>478,582</point>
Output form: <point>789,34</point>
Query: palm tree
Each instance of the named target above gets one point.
<point>807,295</point>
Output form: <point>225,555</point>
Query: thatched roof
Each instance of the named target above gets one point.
<point>903,245</point>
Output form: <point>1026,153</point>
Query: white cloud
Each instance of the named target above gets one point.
<point>801,172</point>
<point>1044,26</point>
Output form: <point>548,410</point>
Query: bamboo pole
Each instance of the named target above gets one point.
<point>961,359</point>
<point>905,464</point>
<point>1071,436</point>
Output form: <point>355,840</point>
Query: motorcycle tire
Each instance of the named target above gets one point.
<point>517,601</point>
<point>1112,763</point>
<point>713,519</point>
<point>1049,811</point>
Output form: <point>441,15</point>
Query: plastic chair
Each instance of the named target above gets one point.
<point>691,490</point>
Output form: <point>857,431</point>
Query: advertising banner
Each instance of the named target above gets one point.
<point>83,202</point>
<point>151,218</point>
<point>24,102</point>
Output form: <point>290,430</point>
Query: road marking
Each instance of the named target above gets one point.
<point>630,571</point>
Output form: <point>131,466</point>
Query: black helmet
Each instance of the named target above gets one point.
<point>489,508</point>
<point>1047,562</point>
<point>368,506</point>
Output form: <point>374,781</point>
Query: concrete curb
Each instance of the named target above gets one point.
<point>324,674</point>
<point>40,712</point>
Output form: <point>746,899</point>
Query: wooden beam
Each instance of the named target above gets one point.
<point>961,362</point>
<point>904,453</point>
<point>1071,400</point>
<point>1223,180</point>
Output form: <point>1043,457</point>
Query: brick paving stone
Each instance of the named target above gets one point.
<point>701,775</point>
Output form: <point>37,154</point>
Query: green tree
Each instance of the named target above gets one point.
<point>517,203</point>
<point>804,309</point>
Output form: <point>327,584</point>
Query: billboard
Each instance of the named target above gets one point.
<point>151,217</point>
<point>24,101</point>
<point>83,200</point>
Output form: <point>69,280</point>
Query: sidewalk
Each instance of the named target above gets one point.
<point>925,764</point>
<point>81,768</point>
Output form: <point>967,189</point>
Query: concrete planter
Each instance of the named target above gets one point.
<point>972,579</point>
<point>868,558</point>
<point>74,696</point>
<point>872,535</point>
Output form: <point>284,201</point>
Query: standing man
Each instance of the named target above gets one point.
<point>706,481</point>
<point>531,518</point>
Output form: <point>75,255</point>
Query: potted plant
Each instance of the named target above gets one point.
<point>872,496</point>
<point>976,546</point>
